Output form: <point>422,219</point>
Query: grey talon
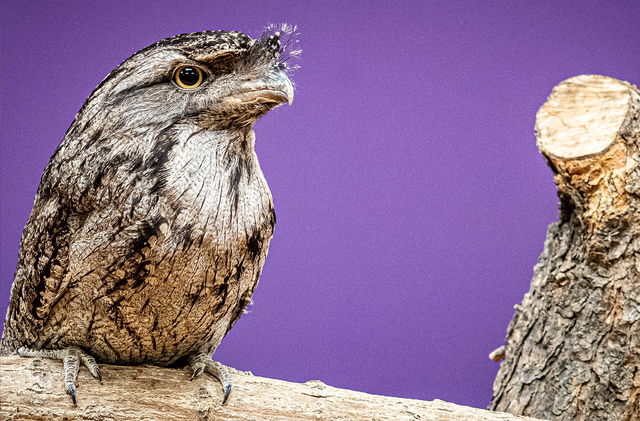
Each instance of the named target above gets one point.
<point>197,372</point>
<point>71,391</point>
<point>227,391</point>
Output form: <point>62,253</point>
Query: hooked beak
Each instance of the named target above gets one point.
<point>273,90</point>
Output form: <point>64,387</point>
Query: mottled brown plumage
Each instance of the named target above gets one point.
<point>152,220</point>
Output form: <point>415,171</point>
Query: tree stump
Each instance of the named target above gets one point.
<point>573,347</point>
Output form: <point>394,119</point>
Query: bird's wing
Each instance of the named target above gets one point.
<point>42,265</point>
<point>78,183</point>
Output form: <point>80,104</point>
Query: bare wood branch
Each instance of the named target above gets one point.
<point>32,389</point>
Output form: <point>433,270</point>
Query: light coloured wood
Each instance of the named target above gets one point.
<point>32,389</point>
<point>582,116</point>
<point>584,131</point>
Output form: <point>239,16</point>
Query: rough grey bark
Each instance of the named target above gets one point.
<point>573,347</point>
<point>30,392</point>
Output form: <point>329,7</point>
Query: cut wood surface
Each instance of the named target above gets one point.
<point>582,116</point>
<point>573,346</point>
<point>32,389</point>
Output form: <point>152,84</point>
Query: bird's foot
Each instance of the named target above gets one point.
<point>202,362</point>
<point>71,357</point>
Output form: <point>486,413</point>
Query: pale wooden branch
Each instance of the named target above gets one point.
<point>32,389</point>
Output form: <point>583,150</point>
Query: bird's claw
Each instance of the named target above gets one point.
<point>71,391</point>
<point>197,371</point>
<point>227,391</point>
<point>71,358</point>
<point>202,362</point>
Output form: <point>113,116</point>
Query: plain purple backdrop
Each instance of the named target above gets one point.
<point>412,202</point>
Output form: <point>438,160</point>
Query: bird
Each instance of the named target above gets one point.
<point>152,220</point>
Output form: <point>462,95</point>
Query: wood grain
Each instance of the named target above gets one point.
<point>32,389</point>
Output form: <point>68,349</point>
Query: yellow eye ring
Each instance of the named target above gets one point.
<point>188,77</point>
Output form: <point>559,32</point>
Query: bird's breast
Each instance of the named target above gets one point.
<point>214,186</point>
<point>187,280</point>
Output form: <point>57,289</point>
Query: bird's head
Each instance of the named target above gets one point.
<point>213,79</point>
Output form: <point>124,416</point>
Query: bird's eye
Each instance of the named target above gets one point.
<point>188,77</point>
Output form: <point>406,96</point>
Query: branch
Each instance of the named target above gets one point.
<point>32,389</point>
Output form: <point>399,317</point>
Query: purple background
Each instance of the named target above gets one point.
<point>412,202</point>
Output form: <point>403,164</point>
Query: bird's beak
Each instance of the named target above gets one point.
<point>287,86</point>
<point>275,90</point>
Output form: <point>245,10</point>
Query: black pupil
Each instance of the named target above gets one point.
<point>189,76</point>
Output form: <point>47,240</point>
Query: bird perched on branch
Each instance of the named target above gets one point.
<point>152,220</point>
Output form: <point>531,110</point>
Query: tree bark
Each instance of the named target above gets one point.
<point>33,389</point>
<point>573,347</point>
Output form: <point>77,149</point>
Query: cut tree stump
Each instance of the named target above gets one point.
<point>33,389</point>
<point>573,347</point>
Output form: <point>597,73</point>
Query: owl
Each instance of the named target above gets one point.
<point>152,220</point>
